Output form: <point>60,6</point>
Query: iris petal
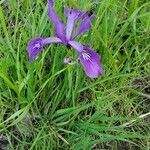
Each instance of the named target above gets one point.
<point>59,25</point>
<point>89,59</point>
<point>36,45</point>
<point>77,46</point>
<point>73,15</point>
<point>84,26</point>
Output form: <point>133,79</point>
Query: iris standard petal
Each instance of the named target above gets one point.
<point>59,25</point>
<point>73,15</point>
<point>36,45</point>
<point>84,26</point>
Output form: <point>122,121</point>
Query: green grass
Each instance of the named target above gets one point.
<point>47,105</point>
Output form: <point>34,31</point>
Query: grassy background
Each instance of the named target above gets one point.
<point>45,104</point>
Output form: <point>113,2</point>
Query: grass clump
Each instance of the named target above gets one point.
<point>45,104</point>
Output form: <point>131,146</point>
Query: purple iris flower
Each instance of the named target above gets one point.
<point>89,59</point>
